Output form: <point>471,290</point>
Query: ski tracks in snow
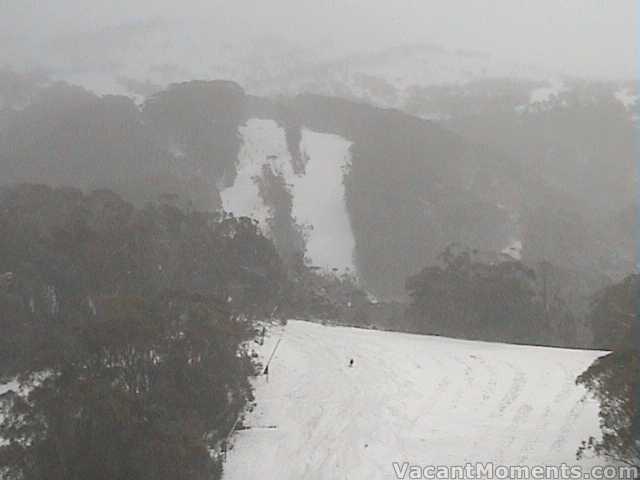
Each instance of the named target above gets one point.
<point>427,400</point>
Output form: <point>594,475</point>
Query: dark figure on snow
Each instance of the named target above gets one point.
<point>351,362</point>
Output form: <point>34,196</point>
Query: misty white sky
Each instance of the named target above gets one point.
<point>578,37</point>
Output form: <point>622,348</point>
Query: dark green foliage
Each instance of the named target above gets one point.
<point>127,326</point>
<point>201,120</point>
<point>496,300</point>
<point>614,379</point>
<point>614,315</point>
<point>287,235</point>
<point>184,142</point>
<point>580,141</point>
<point>314,293</point>
<point>140,390</point>
<point>98,244</point>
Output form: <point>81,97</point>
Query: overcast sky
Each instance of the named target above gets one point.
<point>582,37</point>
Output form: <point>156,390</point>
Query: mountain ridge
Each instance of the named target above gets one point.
<point>411,186</point>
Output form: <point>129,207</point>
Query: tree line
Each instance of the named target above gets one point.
<point>506,300</point>
<point>126,329</point>
<point>502,299</point>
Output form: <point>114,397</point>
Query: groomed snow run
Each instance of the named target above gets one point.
<point>409,398</point>
<point>318,194</point>
<point>319,200</point>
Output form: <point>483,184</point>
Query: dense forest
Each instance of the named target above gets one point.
<point>471,298</point>
<point>128,329</point>
<point>614,378</point>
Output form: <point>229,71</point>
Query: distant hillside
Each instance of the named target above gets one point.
<point>351,186</point>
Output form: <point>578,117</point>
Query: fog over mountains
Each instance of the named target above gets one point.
<point>294,239</point>
<point>586,38</point>
<point>368,148</point>
<point>351,185</point>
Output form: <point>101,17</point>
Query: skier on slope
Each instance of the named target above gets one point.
<point>351,363</point>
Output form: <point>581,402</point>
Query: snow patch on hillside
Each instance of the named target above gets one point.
<point>263,143</point>
<point>318,194</point>
<point>546,94</point>
<point>513,250</point>
<point>13,385</point>
<point>319,200</point>
<point>626,97</point>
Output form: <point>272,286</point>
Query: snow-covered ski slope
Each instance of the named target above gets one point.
<point>420,399</point>
<point>317,194</point>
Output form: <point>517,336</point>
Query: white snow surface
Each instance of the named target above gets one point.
<point>626,97</point>
<point>318,194</point>
<point>320,202</point>
<point>513,250</point>
<point>546,94</point>
<point>13,385</point>
<point>409,398</point>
